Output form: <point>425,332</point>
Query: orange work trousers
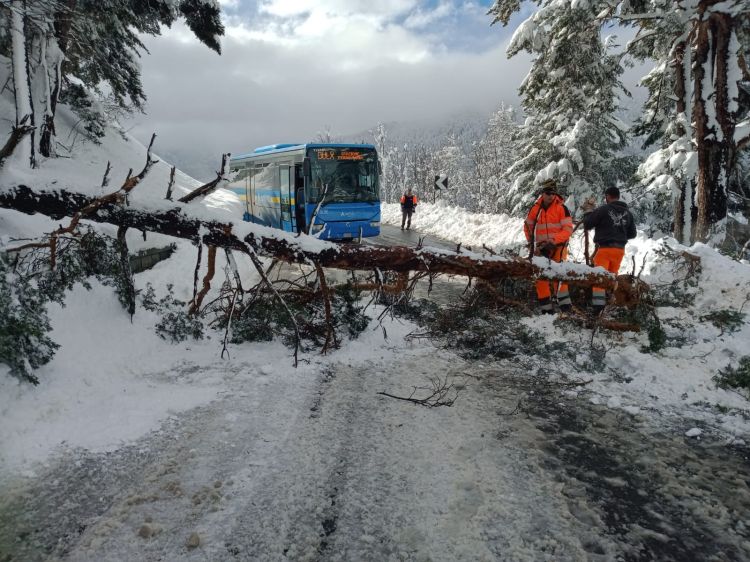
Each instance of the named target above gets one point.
<point>610,259</point>
<point>545,289</point>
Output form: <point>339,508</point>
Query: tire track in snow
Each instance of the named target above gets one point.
<point>661,496</point>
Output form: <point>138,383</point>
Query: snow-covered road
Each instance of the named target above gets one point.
<point>315,465</point>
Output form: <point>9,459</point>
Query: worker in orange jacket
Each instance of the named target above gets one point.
<point>408,204</point>
<point>548,228</point>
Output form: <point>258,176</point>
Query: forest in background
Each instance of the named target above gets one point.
<point>691,180</point>
<point>694,126</point>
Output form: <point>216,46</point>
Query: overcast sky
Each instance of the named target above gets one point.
<point>289,69</point>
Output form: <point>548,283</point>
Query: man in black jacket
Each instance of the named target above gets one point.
<point>613,226</point>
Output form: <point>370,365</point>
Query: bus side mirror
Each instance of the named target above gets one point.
<point>306,166</point>
<point>380,168</point>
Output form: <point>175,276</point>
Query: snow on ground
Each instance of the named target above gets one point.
<point>458,225</point>
<point>102,395</point>
<point>675,381</point>
<point>114,385</point>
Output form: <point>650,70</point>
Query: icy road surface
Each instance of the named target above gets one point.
<point>315,465</point>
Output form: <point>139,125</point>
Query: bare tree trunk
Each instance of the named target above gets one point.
<point>176,222</point>
<point>61,37</point>
<point>126,272</point>
<point>20,66</point>
<point>683,206</point>
<point>51,92</point>
<point>714,129</point>
<point>330,331</point>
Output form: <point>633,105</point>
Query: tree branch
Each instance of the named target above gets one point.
<point>281,246</point>
<point>207,188</point>
<point>195,306</point>
<point>441,394</point>
<point>16,136</point>
<point>330,333</point>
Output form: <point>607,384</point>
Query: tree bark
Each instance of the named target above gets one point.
<point>126,272</point>
<point>205,189</point>
<point>714,131</point>
<point>683,207</point>
<point>178,223</point>
<point>20,67</point>
<point>61,31</point>
<point>16,136</point>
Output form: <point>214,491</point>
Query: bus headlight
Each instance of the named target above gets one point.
<point>376,223</point>
<point>317,227</point>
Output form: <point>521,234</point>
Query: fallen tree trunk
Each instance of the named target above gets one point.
<point>172,222</point>
<point>248,238</point>
<point>432,260</point>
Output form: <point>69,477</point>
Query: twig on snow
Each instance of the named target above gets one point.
<point>441,394</point>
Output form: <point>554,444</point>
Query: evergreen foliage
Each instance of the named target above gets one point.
<point>493,154</point>
<point>735,377</point>
<point>79,258</point>
<point>93,119</point>
<point>175,324</point>
<point>725,320</point>
<point>348,310</point>
<point>698,100</point>
<point>473,154</point>
<point>104,41</point>
<point>569,96</point>
<point>24,325</point>
<point>478,331</point>
<point>82,48</point>
<point>260,320</point>
<point>264,317</point>
<point>683,276</point>
<point>31,284</point>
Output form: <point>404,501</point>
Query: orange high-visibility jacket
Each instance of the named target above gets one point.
<point>413,201</point>
<point>553,224</point>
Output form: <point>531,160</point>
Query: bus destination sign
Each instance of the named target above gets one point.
<point>328,154</point>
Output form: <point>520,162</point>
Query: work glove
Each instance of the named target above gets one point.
<point>546,249</point>
<point>588,206</point>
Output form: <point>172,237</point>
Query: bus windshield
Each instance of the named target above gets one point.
<point>343,175</point>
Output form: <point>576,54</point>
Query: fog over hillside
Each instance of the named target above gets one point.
<point>466,127</point>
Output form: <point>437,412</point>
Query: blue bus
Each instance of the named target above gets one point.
<point>329,190</point>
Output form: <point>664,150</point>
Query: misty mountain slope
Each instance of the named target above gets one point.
<point>466,126</point>
<point>81,164</point>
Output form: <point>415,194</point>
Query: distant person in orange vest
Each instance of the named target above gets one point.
<point>408,204</point>
<point>548,228</point>
<point>613,225</point>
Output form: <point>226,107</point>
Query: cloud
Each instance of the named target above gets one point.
<point>423,18</point>
<point>338,8</point>
<point>289,68</point>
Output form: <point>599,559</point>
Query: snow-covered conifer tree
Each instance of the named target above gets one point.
<point>569,97</point>
<point>81,47</point>
<point>492,155</point>
<point>451,161</point>
<point>389,165</point>
<point>695,110</point>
